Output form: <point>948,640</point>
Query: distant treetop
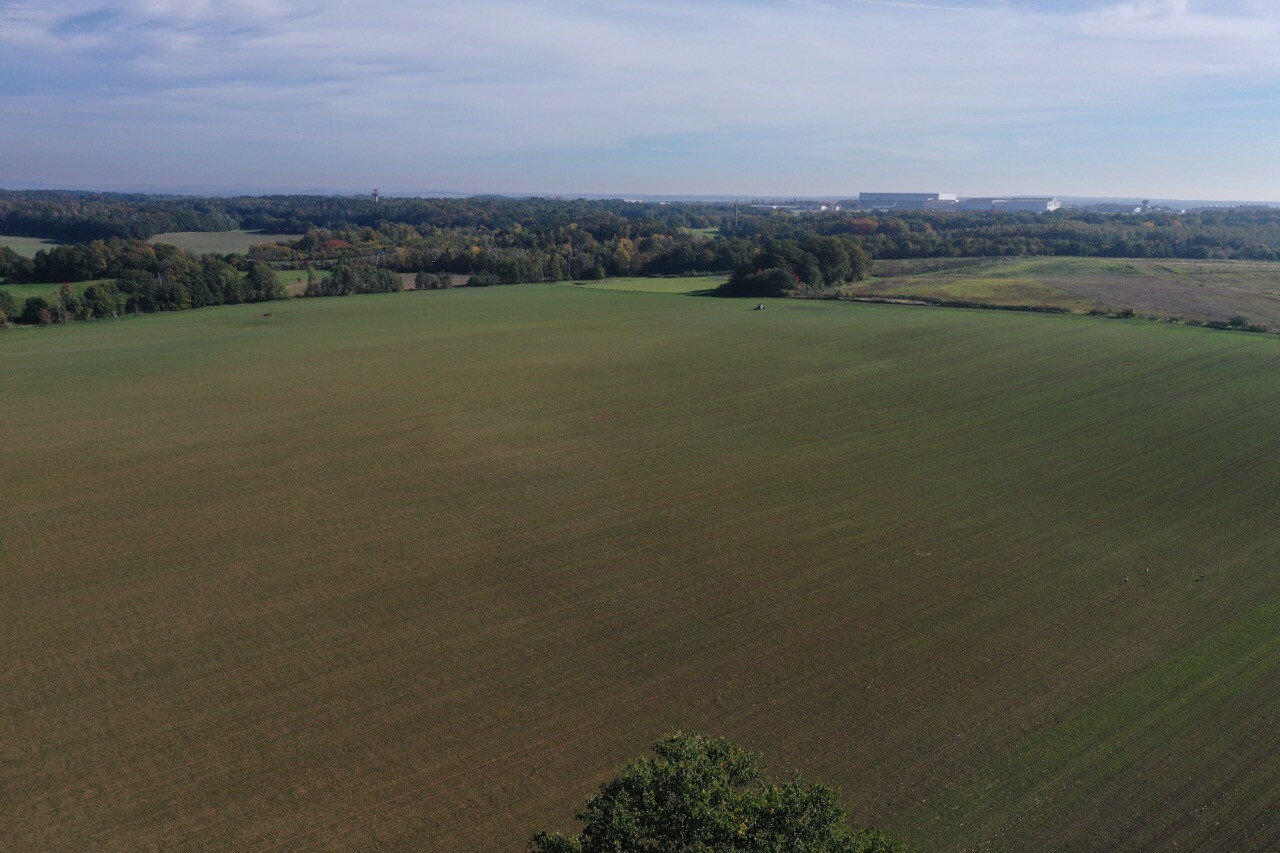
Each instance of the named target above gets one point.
<point>707,795</point>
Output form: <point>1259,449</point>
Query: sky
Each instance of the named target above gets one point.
<point>1158,98</point>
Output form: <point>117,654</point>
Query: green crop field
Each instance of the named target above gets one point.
<point>219,242</point>
<point>685,284</point>
<point>420,570</point>
<point>1198,290</point>
<point>26,246</point>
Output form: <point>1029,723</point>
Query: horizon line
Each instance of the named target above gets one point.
<point>250,190</point>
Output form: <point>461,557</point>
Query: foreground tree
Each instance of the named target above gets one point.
<point>708,795</point>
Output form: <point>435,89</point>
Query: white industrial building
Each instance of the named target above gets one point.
<point>903,201</point>
<point>950,201</point>
<point>1032,204</point>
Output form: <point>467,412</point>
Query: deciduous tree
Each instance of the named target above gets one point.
<point>710,796</point>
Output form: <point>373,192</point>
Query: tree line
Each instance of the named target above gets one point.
<point>363,243</point>
<point>351,279</point>
<point>540,239</point>
<point>131,277</point>
<point>72,216</point>
<point>783,267</point>
<point>1199,235</point>
<point>565,253</point>
<point>76,217</point>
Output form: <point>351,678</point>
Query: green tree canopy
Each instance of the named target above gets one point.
<point>262,285</point>
<point>36,312</point>
<point>706,795</point>
<point>13,266</point>
<point>767,282</point>
<point>432,281</point>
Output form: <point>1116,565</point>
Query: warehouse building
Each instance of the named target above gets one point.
<point>1032,204</point>
<point>950,201</point>
<point>904,201</point>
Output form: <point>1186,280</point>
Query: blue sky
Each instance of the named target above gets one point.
<point>1162,98</point>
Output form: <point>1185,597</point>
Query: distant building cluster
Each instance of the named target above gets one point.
<point>798,206</point>
<point>950,201</point>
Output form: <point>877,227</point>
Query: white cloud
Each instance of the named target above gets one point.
<point>463,78</point>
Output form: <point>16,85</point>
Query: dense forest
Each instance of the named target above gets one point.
<point>511,240</point>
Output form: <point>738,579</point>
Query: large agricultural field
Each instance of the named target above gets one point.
<point>1198,290</point>
<point>420,570</point>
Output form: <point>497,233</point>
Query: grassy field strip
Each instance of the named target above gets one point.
<point>1151,712</point>
<point>1201,290</point>
<point>690,284</point>
<point>421,569</point>
<point>1236,783</point>
<point>704,233</point>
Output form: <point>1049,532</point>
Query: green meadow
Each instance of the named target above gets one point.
<point>704,233</point>
<point>26,246</point>
<point>421,570</point>
<point>219,242</point>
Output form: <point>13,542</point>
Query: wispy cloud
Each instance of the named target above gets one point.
<point>913,4</point>
<point>1178,21</point>
<point>426,91</point>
